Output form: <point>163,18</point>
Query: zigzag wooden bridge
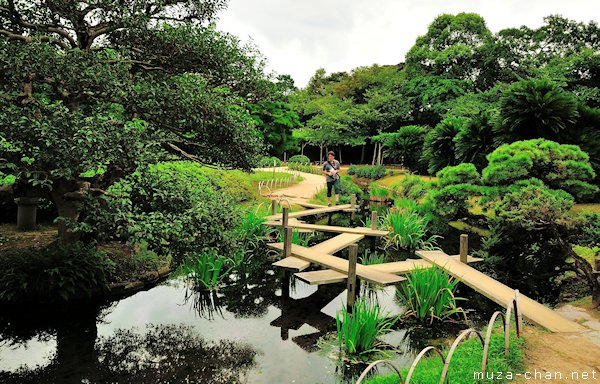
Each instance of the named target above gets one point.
<point>297,259</point>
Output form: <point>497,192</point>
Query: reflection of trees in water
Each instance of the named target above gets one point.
<point>251,295</point>
<point>164,354</point>
<point>175,354</point>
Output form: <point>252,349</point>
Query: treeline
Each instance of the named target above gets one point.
<point>462,92</point>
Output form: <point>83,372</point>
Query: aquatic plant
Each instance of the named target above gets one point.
<point>429,294</point>
<point>358,330</point>
<point>370,258</point>
<point>207,270</point>
<point>408,230</point>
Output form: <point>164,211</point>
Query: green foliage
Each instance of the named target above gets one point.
<point>475,139</point>
<point>452,202</point>
<point>207,270</point>
<point>464,173</point>
<point>373,172</point>
<point>358,330</point>
<point>135,85</point>
<point>429,294</point>
<point>466,360</point>
<point>299,159</point>
<point>252,236</point>
<point>305,168</point>
<point>412,187</point>
<point>404,145</point>
<point>53,273</point>
<point>177,208</point>
<point>450,48</point>
<point>536,108</point>
<point>559,166</point>
<point>371,258</point>
<point>588,233</point>
<point>269,162</point>
<point>438,149</point>
<point>528,243</point>
<point>377,191</point>
<point>276,121</point>
<point>407,230</point>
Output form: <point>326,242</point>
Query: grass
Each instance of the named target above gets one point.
<point>594,208</point>
<point>466,361</point>
<point>207,270</point>
<point>469,228</point>
<point>588,253</point>
<point>389,181</point>
<point>407,230</point>
<point>428,295</point>
<point>359,330</point>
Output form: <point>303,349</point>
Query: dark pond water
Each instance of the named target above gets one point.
<point>262,328</point>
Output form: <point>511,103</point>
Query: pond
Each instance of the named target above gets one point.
<point>262,327</point>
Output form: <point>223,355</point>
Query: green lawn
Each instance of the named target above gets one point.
<point>388,181</point>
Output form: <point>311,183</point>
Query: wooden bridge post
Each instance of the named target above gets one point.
<point>273,207</point>
<point>464,248</point>
<point>353,206</point>
<point>374,220</point>
<point>351,285</point>
<point>287,233</point>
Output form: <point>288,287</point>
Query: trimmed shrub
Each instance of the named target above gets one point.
<point>412,187</point>
<point>464,173</point>
<point>269,161</point>
<point>372,172</point>
<point>299,159</point>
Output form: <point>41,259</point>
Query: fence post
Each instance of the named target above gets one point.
<point>351,281</point>
<point>353,206</point>
<point>464,248</point>
<point>287,241</point>
<point>273,207</point>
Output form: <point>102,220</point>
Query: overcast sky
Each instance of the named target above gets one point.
<point>299,36</point>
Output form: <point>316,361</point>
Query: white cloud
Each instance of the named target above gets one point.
<point>299,36</point>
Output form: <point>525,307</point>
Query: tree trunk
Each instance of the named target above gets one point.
<point>320,153</point>
<point>380,161</point>
<point>340,154</point>
<point>374,153</point>
<point>302,149</point>
<point>588,272</point>
<point>68,198</point>
<point>362,154</point>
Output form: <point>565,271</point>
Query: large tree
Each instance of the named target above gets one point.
<point>92,89</point>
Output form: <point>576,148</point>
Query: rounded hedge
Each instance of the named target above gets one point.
<point>299,159</point>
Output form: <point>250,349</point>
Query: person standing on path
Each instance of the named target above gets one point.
<point>331,170</point>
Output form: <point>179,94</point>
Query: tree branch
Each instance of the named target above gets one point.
<point>29,39</point>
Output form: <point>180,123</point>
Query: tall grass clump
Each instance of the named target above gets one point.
<point>429,294</point>
<point>408,230</point>
<point>358,331</point>
<point>207,270</point>
<point>252,232</point>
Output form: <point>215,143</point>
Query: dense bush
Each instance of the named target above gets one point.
<point>177,208</point>
<point>269,161</point>
<point>56,272</point>
<point>412,187</point>
<point>438,148</point>
<point>452,202</point>
<point>305,168</point>
<point>373,172</point>
<point>559,166</point>
<point>299,159</point>
<point>464,173</point>
<point>527,247</point>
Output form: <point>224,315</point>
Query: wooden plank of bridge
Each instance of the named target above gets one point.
<point>341,265</point>
<point>402,267</point>
<point>310,212</point>
<point>337,243</point>
<point>330,228</point>
<point>324,276</point>
<point>327,276</point>
<point>292,263</point>
<point>501,293</point>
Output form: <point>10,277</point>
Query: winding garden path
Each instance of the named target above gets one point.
<point>304,190</point>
